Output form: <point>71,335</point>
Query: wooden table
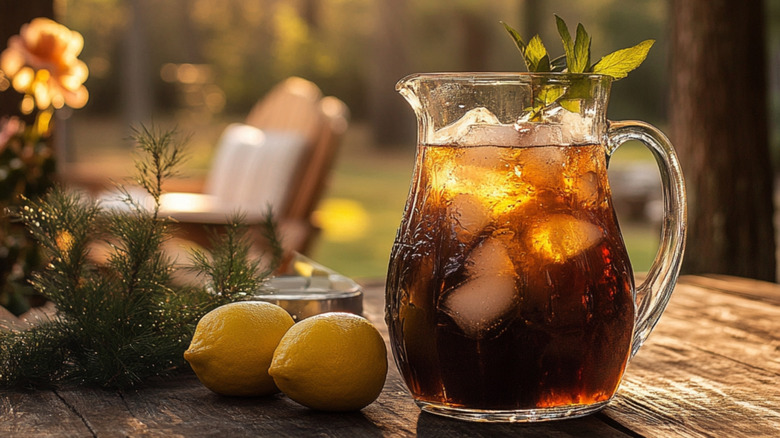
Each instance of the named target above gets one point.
<point>710,368</point>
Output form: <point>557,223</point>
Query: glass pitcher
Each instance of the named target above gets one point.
<point>510,296</point>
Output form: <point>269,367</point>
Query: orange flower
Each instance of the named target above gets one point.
<point>43,64</point>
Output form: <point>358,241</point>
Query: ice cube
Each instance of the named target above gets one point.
<point>548,114</point>
<point>585,175</point>
<point>575,128</point>
<point>490,258</point>
<point>491,135</point>
<point>538,134</point>
<point>586,189</point>
<point>469,214</point>
<point>457,132</point>
<point>480,305</point>
<point>560,237</point>
<point>542,167</point>
<point>485,174</point>
<point>514,135</point>
<point>483,301</point>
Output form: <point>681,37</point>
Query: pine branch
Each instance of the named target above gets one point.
<point>162,154</point>
<point>124,320</point>
<point>137,255</point>
<point>269,229</point>
<point>232,273</point>
<point>65,225</point>
<point>34,357</point>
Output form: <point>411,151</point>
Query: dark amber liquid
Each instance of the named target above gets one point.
<point>509,285</point>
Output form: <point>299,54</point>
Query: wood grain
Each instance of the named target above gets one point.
<point>710,368</point>
<point>38,413</point>
<point>744,287</point>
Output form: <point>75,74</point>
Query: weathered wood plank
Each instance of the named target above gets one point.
<point>183,407</point>
<point>744,331</point>
<point>746,287</point>
<point>711,368</point>
<point>673,391</point>
<point>38,414</point>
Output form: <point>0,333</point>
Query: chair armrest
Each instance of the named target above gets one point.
<point>96,178</point>
<point>198,208</point>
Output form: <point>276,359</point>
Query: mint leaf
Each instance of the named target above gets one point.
<point>568,44</point>
<point>577,91</point>
<point>577,51</point>
<point>536,57</point>
<point>581,59</point>
<point>516,37</point>
<point>572,105</point>
<point>550,93</point>
<point>534,53</point>
<point>618,64</point>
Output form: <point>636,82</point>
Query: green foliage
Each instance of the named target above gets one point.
<point>229,268</point>
<point>534,53</point>
<point>163,158</point>
<point>536,57</point>
<point>124,320</point>
<point>617,64</point>
<point>27,170</point>
<point>576,60</point>
<point>21,365</point>
<point>581,56</point>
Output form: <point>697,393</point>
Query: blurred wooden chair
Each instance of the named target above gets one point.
<point>323,122</point>
<point>281,158</point>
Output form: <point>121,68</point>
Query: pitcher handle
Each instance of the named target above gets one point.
<point>653,294</point>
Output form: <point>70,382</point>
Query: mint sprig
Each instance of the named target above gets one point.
<point>577,54</point>
<point>578,50</point>
<point>534,53</point>
<point>576,59</point>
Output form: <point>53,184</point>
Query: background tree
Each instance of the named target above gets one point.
<point>719,124</point>
<point>136,83</point>
<point>390,117</point>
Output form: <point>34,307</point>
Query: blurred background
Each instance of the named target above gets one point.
<point>202,64</point>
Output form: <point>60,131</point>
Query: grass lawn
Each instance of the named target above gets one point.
<point>377,182</point>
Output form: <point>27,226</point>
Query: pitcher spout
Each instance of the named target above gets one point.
<point>407,88</point>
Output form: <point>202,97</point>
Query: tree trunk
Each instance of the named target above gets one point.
<point>391,118</point>
<point>532,13</point>
<point>719,125</point>
<point>137,101</point>
<point>475,40</point>
<point>310,12</point>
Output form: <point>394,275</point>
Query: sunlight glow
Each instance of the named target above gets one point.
<point>342,220</point>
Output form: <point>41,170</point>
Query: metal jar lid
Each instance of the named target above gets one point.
<point>304,296</point>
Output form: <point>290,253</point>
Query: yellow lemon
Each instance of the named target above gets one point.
<point>233,345</point>
<point>331,362</point>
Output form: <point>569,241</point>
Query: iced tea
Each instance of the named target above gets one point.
<point>509,285</point>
